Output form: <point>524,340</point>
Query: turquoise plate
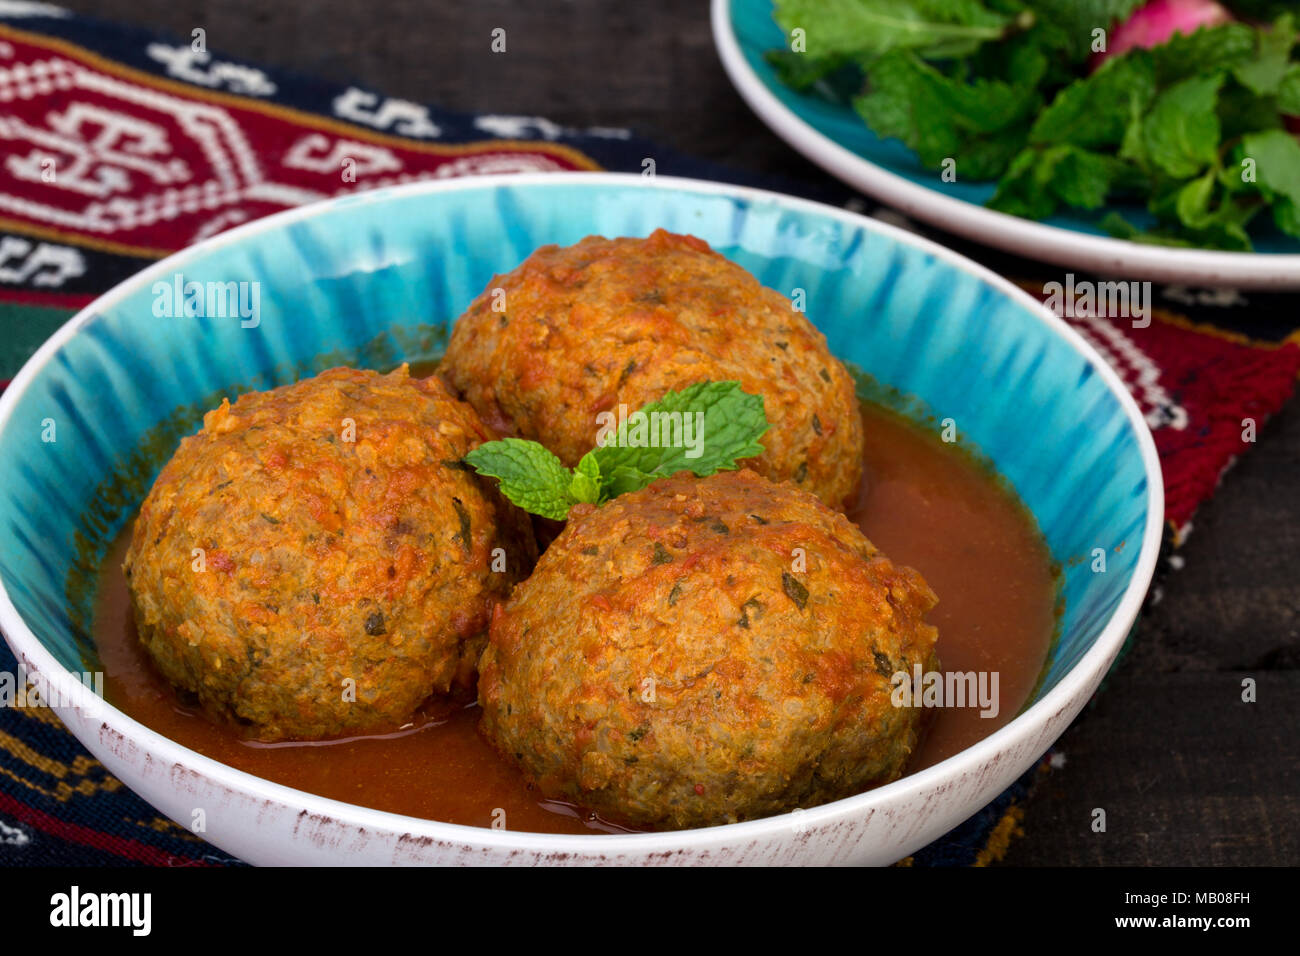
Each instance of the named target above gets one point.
<point>834,137</point>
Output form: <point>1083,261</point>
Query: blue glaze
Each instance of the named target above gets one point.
<point>378,280</point>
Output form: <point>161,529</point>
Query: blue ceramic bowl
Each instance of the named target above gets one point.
<point>376,279</point>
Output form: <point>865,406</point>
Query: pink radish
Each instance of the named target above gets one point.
<point>1157,21</point>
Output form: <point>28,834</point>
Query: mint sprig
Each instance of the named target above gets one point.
<point>871,27</point>
<point>705,428</point>
<point>531,476</point>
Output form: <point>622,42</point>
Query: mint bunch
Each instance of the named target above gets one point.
<point>1193,129</point>
<point>705,428</point>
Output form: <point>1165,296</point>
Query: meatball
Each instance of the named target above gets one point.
<point>317,560</point>
<point>575,332</point>
<point>705,651</point>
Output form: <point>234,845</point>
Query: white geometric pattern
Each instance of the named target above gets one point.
<point>1139,373</point>
<point>400,116</point>
<point>25,8</point>
<point>41,264</point>
<point>100,151</point>
<point>317,153</point>
<point>197,66</point>
<point>116,156</point>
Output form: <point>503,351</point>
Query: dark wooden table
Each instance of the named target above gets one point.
<point>1186,772</point>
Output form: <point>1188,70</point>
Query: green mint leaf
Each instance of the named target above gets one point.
<point>704,428</point>
<point>1242,112</point>
<point>1025,189</point>
<point>899,97</point>
<point>585,485</point>
<point>1181,133</point>
<point>624,478</point>
<point>1078,18</point>
<point>978,122</point>
<point>1192,204</point>
<point>1264,73</point>
<point>1276,156</point>
<point>1132,147</point>
<point>1225,230</point>
<point>1039,180</point>
<point>1119,227</point>
<point>1206,50</point>
<point>1222,234</point>
<point>531,476</point>
<point>1233,215</point>
<point>1286,214</point>
<point>988,157</point>
<point>1259,10</point>
<point>1288,94</point>
<point>1094,112</point>
<point>1084,179</point>
<point>801,71</point>
<point>871,28</point>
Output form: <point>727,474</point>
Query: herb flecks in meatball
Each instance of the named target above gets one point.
<point>608,323</point>
<point>703,651</point>
<point>316,561</point>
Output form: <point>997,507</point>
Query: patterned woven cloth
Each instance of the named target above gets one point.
<point>158,145</point>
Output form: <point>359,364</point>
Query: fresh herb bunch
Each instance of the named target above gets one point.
<point>1194,128</point>
<point>731,423</point>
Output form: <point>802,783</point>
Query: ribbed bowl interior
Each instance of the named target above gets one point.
<point>379,278</point>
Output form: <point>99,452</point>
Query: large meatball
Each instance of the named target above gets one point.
<point>318,560</point>
<point>575,332</point>
<point>705,651</point>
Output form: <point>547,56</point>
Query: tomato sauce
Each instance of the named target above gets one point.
<point>924,503</point>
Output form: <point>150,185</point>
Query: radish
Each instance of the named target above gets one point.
<point>1157,21</point>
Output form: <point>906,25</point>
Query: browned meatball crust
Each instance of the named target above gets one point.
<point>705,651</point>
<point>622,321</point>
<point>318,561</point>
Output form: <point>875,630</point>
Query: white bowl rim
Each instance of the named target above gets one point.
<point>27,647</point>
<point>1062,247</point>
